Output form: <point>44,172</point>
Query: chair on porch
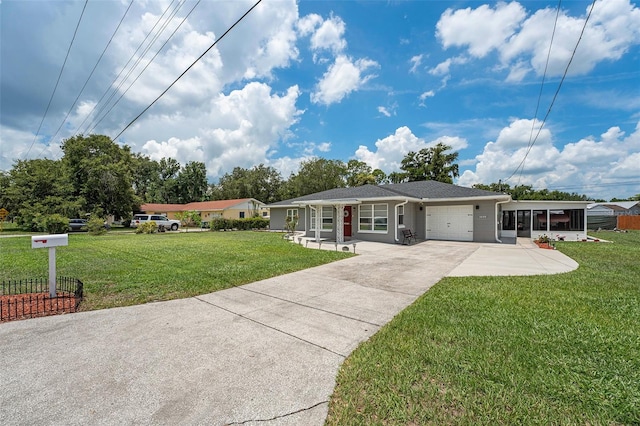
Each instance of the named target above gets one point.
<point>407,236</point>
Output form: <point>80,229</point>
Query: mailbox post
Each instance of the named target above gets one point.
<point>51,242</point>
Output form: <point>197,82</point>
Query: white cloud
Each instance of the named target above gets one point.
<point>382,110</point>
<point>391,150</point>
<point>343,77</point>
<point>415,63</point>
<point>443,68</point>
<point>522,42</point>
<point>608,159</point>
<point>241,129</point>
<point>423,97</point>
<point>330,35</point>
<point>480,30</point>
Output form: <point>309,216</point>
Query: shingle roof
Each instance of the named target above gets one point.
<point>365,191</point>
<point>423,190</point>
<point>435,189</point>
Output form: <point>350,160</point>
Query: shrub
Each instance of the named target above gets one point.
<point>55,224</point>
<point>95,225</point>
<point>218,224</point>
<point>246,224</point>
<point>147,228</point>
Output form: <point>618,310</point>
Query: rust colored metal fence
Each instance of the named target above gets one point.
<point>30,298</point>
<point>629,222</point>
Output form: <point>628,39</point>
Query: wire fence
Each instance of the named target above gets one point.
<point>29,298</point>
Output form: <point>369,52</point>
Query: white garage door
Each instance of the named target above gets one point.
<point>451,223</point>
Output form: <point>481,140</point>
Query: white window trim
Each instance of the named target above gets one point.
<point>400,225</point>
<point>373,218</point>
<point>294,211</point>
<point>326,212</point>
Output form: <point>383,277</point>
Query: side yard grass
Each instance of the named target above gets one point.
<point>121,269</point>
<point>559,349</point>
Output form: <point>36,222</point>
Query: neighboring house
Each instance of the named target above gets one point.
<point>228,209</point>
<point>620,208</point>
<point>430,209</point>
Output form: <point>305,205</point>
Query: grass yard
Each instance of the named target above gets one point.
<point>560,349</point>
<point>120,269</point>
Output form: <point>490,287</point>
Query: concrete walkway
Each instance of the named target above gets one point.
<point>264,353</point>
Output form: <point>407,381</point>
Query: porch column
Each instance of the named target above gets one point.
<point>318,221</point>
<point>339,223</point>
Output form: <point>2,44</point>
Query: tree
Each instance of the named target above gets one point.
<point>100,174</point>
<point>164,189</point>
<point>39,188</point>
<point>191,183</point>
<point>359,173</point>
<point>260,182</point>
<point>431,164</point>
<point>145,175</point>
<point>316,175</point>
<point>526,192</point>
<point>397,177</point>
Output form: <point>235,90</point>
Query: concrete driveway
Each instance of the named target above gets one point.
<point>264,353</point>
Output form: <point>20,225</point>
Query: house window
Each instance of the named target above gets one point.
<point>373,218</point>
<point>241,215</point>
<point>400,216</point>
<point>539,220</point>
<point>566,220</point>
<point>509,220</point>
<point>291,213</point>
<point>326,218</point>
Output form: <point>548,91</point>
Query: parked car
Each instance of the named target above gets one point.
<point>160,220</point>
<point>77,225</point>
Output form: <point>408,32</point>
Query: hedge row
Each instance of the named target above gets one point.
<point>221,224</point>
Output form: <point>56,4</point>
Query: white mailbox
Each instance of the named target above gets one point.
<point>51,242</point>
<point>45,241</point>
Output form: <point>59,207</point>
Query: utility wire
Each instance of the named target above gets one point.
<point>59,76</point>
<point>147,65</point>
<point>96,121</point>
<point>544,75</point>
<point>91,74</point>
<point>188,68</point>
<point>77,131</point>
<point>557,91</point>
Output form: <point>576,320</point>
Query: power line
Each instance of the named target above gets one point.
<point>59,76</point>
<point>77,131</point>
<point>97,121</point>
<point>147,65</point>
<point>188,68</point>
<point>566,70</point>
<point>544,75</point>
<point>91,74</point>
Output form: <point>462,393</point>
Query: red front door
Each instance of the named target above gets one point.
<point>347,221</point>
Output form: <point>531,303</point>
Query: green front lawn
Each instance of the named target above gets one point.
<point>120,269</point>
<point>559,349</point>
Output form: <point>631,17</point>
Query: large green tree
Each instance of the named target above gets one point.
<point>433,163</point>
<point>100,173</point>
<point>315,175</point>
<point>39,188</point>
<point>191,183</point>
<point>164,188</point>
<point>260,182</point>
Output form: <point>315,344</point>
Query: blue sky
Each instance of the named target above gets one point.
<point>366,80</point>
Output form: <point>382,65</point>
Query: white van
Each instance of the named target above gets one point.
<point>159,219</point>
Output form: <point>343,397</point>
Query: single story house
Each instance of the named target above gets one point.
<point>619,208</point>
<point>228,209</point>
<point>431,210</point>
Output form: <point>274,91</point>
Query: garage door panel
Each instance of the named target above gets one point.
<point>451,223</point>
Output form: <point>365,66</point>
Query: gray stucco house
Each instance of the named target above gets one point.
<point>431,210</point>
